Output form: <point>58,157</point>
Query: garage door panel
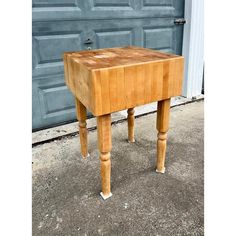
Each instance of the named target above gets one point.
<point>154,3</point>
<point>158,38</point>
<point>48,69</point>
<point>114,38</point>
<point>54,100</point>
<point>55,3</point>
<point>51,47</point>
<point>63,101</point>
<point>111,3</point>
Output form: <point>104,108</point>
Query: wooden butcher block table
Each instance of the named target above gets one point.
<point>113,79</point>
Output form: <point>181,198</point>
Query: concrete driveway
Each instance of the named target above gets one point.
<point>66,188</point>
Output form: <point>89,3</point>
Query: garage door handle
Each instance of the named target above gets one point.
<point>88,41</point>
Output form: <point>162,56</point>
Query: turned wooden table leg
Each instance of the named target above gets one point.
<point>130,119</point>
<point>104,145</point>
<point>162,127</point>
<point>81,116</point>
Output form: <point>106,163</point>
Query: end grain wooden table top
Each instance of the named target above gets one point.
<point>114,79</point>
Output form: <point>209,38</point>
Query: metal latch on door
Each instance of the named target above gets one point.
<point>180,21</point>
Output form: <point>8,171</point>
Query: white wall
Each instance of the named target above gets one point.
<point>193,47</point>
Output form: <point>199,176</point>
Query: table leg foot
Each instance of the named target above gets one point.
<point>85,157</point>
<point>133,141</point>
<point>106,196</point>
<point>161,171</point>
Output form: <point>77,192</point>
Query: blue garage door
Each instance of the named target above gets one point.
<point>73,25</point>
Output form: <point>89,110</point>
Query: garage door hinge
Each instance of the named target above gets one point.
<point>180,21</point>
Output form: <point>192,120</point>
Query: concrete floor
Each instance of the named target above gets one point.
<point>66,188</point>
